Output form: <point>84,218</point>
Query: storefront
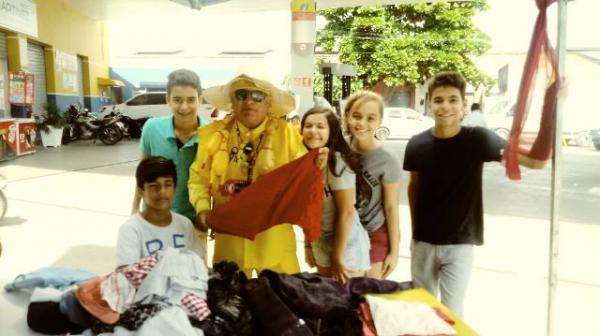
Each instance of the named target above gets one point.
<point>37,66</point>
<point>4,110</point>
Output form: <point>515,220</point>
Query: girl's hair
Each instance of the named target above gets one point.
<point>337,143</point>
<point>360,97</point>
<point>153,167</point>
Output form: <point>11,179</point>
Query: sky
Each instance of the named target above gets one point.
<point>202,35</point>
<point>509,23</point>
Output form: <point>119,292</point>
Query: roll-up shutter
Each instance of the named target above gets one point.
<point>37,66</point>
<point>4,106</point>
<point>3,47</point>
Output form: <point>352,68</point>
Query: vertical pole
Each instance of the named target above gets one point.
<point>561,50</point>
<point>304,13</point>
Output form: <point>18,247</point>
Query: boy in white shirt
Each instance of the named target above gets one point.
<point>156,227</point>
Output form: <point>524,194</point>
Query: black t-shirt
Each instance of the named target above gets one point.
<point>449,207</point>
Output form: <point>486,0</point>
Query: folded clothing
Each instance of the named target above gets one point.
<point>393,317</point>
<point>57,277</point>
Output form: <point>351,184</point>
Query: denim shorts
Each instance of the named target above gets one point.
<point>356,255</point>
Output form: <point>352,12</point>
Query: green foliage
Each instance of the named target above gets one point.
<point>406,44</point>
<point>50,117</point>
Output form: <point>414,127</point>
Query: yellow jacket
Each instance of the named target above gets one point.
<point>216,166</point>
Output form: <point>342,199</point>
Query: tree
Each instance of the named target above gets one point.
<point>406,44</point>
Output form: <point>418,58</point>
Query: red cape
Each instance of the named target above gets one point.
<point>292,193</point>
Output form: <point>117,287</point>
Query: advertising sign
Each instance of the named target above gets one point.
<point>2,107</point>
<point>26,131</point>
<point>20,88</point>
<point>20,16</point>
<point>16,88</point>
<point>29,89</point>
<point>8,139</point>
<point>66,67</point>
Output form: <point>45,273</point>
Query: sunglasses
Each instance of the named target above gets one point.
<point>256,96</point>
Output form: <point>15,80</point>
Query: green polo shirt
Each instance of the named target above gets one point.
<point>158,139</point>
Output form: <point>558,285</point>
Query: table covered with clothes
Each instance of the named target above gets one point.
<point>174,293</point>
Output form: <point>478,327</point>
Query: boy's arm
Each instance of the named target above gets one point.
<point>128,246</point>
<point>413,187</point>
<point>198,188</point>
<point>198,242</point>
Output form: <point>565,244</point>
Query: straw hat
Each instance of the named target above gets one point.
<point>282,102</point>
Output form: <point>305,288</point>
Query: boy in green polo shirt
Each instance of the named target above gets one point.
<point>175,137</point>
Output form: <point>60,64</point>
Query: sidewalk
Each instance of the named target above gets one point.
<point>66,204</point>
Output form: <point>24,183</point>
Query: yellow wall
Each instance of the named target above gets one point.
<point>70,32</point>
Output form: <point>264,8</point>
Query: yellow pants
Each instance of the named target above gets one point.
<point>289,265</point>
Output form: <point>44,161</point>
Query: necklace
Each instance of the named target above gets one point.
<point>250,151</point>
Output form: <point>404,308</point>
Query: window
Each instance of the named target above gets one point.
<point>156,99</point>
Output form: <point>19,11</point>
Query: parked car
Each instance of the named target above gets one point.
<point>154,104</point>
<point>499,117</point>
<point>595,138</point>
<point>402,123</point>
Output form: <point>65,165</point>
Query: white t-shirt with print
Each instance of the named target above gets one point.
<point>139,238</point>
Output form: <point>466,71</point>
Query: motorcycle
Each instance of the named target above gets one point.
<point>130,127</point>
<point>3,200</point>
<point>82,125</point>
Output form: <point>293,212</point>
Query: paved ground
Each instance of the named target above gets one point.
<point>66,204</point>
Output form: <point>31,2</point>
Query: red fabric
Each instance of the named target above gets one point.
<point>196,306</point>
<point>137,272</point>
<point>540,54</point>
<point>292,193</point>
<point>444,317</point>
<point>368,325</point>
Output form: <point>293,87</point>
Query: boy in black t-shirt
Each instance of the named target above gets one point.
<point>444,192</point>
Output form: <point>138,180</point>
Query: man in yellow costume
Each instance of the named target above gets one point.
<point>232,153</point>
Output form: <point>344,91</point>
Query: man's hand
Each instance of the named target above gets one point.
<point>321,159</point>
<point>389,264</point>
<point>200,222</point>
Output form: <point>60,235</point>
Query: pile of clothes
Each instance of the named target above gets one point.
<point>174,293</point>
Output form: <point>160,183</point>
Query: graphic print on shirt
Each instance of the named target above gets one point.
<point>328,191</point>
<point>372,180</point>
<point>155,245</point>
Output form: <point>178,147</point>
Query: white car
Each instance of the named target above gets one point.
<point>402,123</point>
<point>154,104</point>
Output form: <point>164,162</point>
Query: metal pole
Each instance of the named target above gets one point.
<point>561,51</point>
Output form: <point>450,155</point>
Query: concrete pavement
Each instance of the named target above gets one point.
<point>66,204</point>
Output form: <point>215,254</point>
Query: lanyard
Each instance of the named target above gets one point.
<point>250,151</point>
